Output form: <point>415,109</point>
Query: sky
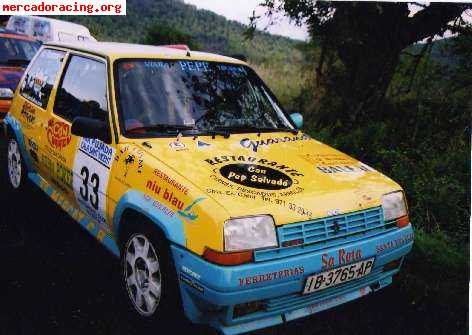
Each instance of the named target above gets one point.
<point>241,10</point>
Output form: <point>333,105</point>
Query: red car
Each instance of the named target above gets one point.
<point>16,51</point>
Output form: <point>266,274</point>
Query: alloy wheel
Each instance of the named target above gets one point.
<point>142,274</point>
<point>14,164</point>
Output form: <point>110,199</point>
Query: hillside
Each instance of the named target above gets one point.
<point>212,32</point>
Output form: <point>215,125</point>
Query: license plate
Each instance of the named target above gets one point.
<point>344,274</point>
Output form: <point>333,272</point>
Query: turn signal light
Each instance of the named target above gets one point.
<point>228,258</point>
<point>403,221</point>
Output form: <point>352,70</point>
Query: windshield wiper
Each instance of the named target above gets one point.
<point>257,129</point>
<point>163,127</point>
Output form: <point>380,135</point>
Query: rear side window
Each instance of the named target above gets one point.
<point>41,76</point>
<point>83,91</point>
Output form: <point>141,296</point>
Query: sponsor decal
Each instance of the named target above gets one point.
<point>192,283</point>
<point>33,150</point>
<point>268,197</point>
<point>161,207</point>
<point>328,159</point>
<point>187,213</point>
<point>56,154</point>
<point>33,145</point>
<point>396,243</point>
<point>202,66</point>
<point>202,145</point>
<point>334,212</point>
<point>63,175</point>
<point>62,201</point>
<point>255,161</point>
<point>178,145</point>
<point>91,172</point>
<point>255,144</point>
<point>165,194</point>
<point>172,199</point>
<point>72,210</point>
<point>47,163</point>
<point>171,181</point>
<point>97,150</point>
<point>190,272</point>
<point>343,258</point>
<point>270,276</point>
<point>132,157</point>
<point>58,134</point>
<point>28,113</point>
<point>344,169</point>
<point>256,176</point>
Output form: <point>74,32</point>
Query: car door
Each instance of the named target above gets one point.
<point>34,107</point>
<point>82,92</point>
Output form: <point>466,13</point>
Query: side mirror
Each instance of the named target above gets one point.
<point>91,128</point>
<point>297,119</point>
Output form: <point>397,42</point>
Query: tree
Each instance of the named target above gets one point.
<point>361,44</point>
<point>160,34</point>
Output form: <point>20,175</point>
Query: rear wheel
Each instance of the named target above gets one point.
<point>149,275</point>
<point>15,167</point>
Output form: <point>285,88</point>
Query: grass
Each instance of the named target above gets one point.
<point>437,273</point>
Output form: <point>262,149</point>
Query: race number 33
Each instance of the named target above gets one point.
<point>91,174</point>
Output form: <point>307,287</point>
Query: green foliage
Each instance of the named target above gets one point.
<point>160,34</point>
<point>435,274</point>
<point>421,139</point>
<point>209,31</point>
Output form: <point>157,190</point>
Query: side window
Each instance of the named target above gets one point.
<point>41,76</point>
<point>83,91</point>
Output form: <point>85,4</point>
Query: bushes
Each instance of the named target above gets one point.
<point>421,139</point>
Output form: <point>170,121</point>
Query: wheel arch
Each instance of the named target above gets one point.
<point>137,203</point>
<point>13,128</point>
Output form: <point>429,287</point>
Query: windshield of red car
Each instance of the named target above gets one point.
<point>15,51</point>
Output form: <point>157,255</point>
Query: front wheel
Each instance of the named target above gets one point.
<point>149,276</point>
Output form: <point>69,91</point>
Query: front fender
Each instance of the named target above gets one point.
<point>172,226</point>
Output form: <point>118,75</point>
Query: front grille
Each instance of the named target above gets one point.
<point>327,232</point>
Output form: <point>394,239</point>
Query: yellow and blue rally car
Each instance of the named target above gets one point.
<point>185,166</point>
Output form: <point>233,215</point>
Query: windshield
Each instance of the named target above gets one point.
<point>17,52</point>
<point>195,96</point>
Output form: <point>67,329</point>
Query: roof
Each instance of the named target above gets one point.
<point>126,50</point>
<point>60,23</point>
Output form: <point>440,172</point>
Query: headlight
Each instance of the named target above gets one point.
<point>6,93</point>
<point>249,233</point>
<point>394,206</point>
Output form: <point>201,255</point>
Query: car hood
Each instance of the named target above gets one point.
<point>291,177</point>
<point>10,76</point>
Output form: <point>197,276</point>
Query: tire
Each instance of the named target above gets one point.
<point>149,278</point>
<point>15,168</point>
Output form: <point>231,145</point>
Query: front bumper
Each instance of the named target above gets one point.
<point>210,292</point>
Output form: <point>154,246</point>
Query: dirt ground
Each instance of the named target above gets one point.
<point>56,279</point>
